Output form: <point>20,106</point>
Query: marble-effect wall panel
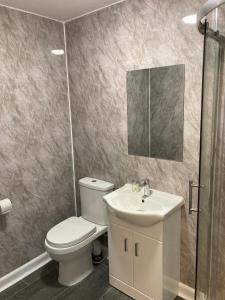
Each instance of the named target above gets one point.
<point>35,143</point>
<point>102,47</point>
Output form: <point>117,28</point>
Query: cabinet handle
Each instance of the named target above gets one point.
<point>125,245</point>
<point>136,249</point>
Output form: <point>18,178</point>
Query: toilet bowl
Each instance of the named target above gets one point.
<point>70,242</point>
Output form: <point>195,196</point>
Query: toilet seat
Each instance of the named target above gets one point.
<point>100,229</point>
<point>70,232</point>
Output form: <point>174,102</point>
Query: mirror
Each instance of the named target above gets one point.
<point>155,112</point>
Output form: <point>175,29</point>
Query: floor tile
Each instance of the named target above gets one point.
<point>44,289</point>
<point>43,285</point>
<point>11,291</point>
<point>42,272</point>
<point>113,294</point>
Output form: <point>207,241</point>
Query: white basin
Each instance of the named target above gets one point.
<point>128,205</point>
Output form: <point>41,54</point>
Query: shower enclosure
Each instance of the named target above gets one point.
<point>210,264</point>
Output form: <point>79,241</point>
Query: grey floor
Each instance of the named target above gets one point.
<point>43,285</point>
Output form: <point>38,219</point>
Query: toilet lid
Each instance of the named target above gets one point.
<point>70,232</point>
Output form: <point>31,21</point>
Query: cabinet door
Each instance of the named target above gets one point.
<point>148,266</point>
<point>120,254</point>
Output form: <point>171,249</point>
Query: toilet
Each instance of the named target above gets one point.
<point>70,242</point>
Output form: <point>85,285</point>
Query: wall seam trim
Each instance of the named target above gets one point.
<point>70,117</point>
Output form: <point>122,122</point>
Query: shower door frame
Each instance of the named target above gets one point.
<point>220,39</point>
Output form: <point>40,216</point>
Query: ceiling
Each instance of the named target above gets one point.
<point>61,10</point>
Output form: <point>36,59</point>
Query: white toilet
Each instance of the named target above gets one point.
<point>70,242</point>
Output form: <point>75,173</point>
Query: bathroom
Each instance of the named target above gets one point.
<point>67,85</point>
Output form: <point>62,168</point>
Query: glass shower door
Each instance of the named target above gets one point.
<point>211,179</point>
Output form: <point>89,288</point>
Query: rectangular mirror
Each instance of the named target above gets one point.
<point>155,112</point>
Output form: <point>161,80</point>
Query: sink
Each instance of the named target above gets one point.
<point>129,206</point>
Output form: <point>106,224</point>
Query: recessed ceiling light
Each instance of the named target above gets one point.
<point>58,51</point>
<point>190,19</point>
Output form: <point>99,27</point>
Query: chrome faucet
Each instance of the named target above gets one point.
<point>147,188</point>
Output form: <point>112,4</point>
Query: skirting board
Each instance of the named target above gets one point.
<point>23,271</point>
<point>186,292</point>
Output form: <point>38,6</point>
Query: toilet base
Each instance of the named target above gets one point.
<point>79,266</point>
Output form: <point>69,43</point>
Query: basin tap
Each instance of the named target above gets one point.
<point>147,188</point>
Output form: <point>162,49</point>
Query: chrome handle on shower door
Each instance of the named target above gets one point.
<point>191,186</point>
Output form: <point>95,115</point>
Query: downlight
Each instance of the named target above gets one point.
<point>58,51</point>
<point>190,19</point>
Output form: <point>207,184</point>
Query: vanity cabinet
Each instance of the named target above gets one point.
<point>144,261</point>
<point>147,268</point>
<point>121,257</point>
